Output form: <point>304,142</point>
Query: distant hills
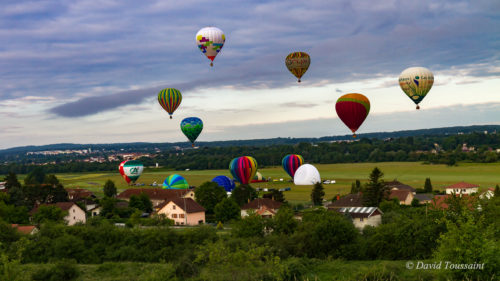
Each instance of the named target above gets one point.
<point>145,146</point>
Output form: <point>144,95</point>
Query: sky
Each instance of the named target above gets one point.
<point>86,71</point>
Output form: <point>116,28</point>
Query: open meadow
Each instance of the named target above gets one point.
<point>411,173</point>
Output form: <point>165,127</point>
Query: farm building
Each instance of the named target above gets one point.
<point>363,216</point>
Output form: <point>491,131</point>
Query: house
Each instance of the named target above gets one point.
<point>349,200</point>
<point>424,198</point>
<point>95,211</point>
<point>2,185</point>
<point>78,194</point>
<point>396,185</point>
<point>439,202</point>
<point>75,213</point>
<point>157,195</point>
<point>404,196</point>
<point>462,188</point>
<point>264,207</point>
<point>183,211</point>
<point>363,216</point>
<point>488,194</point>
<point>25,229</point>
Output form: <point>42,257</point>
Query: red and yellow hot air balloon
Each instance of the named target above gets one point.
<point>298,63</point>
<point>353,109</point>
<point>243,168</point>
<point>169,99</point>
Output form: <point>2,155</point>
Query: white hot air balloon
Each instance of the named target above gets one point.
<point>210,41</point>
<point>416,82</point>
<point>306,174</point>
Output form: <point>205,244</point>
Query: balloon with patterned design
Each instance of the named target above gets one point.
<point>191,127</point>
<point>291,163</point>
<point>130,170</point>
<point>170,99</point>
<point>243,169</point>
<point>416,82</point>
<point>353,109</point>
<point>210,41</point>
<point>175,181</point>
<point>298,63</point>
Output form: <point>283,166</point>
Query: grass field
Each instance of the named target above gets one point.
<point>411,173</point>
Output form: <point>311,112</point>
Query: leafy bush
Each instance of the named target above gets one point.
<point>61,271</point>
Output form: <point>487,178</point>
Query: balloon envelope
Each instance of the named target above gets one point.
<point>192,127</point>
<point>210,41</point>
<point>225,182</point>
<point>353,109</point>
<point>131,170</point>
<point>243,168</point>
<point>306,174</point>
<point>291,163</point>
<point>416,82</point>
<point>298,63</point>
<point>175,181</point>
<point>169,99</point>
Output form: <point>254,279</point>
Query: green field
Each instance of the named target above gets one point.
<point>411,173</point>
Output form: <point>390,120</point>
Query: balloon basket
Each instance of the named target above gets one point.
<point>212,64</point>
<point>170,116</point>
<point>418,107</point>
<point>298,81</point>
<point>354,135</point>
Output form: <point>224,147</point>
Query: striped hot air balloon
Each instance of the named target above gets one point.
<point>416,82</point>
<point>243,168</point>
<point>175,181</point>
<point>210,41</point>
<point>169,99</point>
<point>298,63</point>
<point>353,109</point>
<point>291,163</point>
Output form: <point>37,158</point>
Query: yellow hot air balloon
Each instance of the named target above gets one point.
<point>298,63</point>
<point>416,82</point>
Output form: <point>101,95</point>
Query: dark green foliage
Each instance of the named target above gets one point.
<point>428,186</point>
<point>141,202</point>
<point>284,221</point>
<point>278,196</point>
<point>11,181</point>
<point>13,214</point>
<point>317,194</point>
<point>243,194</point>
<point>49,213</point>
<point>36,176</point>
<point>375,190</point>
<point>109,189</point>
<point>356,187</point>
<point>250,226</point>
<point>497,191</point>
<point>61,271</point>
<point>7,233</point>
<point>209,194</point>
<point>415,202</point>
<point>227,210</point>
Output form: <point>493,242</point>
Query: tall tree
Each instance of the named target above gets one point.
<point>209,194</point>
<point>356,187</point>
<point>36,176</point>
<point>497,191</point>
<point>49,213</point>
<point>376,189</point>
<point>11,181</point>
<point>278,196</point>
<point>428,185</point>
<point>109,189</point>
<point>243,194</point>
<point>227,210</point>
<point>284,222</point>
<point>317,194</point>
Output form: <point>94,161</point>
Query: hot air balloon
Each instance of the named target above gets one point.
<point>416,82</point>
<point>298,63</point>
<point>306,174</point>
<point>192,127</point>
<point>225,182</point>
<point>243,169</point>
<point>130,170</point>
<point>169,99</point>
<point>352,109</point>
<point>175,181</point>
<point>291,163</point>
<point>210,41</point>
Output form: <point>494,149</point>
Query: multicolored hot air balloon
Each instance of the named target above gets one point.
<point>192,127</point>
<point>298,63</point>
<point>225,182</point>
<point>291,163</point>
<point>243,168</point>
<point>175,181</point>
<point>131,170</point>
<point>169,99</point>
<point>353,109</point>
<point>210,40</point>
<point>416,82</point>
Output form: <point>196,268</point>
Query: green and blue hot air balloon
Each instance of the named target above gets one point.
<point>175,181</point>
<point>192,127</point>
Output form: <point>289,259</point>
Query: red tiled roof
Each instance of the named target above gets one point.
<point>400,194</point>
<point>461,185</point>
<point>24,229</point>
<point>350,200</point>
<point>439,201</point>
<point>77,193</point>
<point>65,206</point>
<point>154,193</point>
<point>260,202</point>
<point>186,204</point>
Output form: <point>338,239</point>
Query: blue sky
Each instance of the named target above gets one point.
<point>89,71</point>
